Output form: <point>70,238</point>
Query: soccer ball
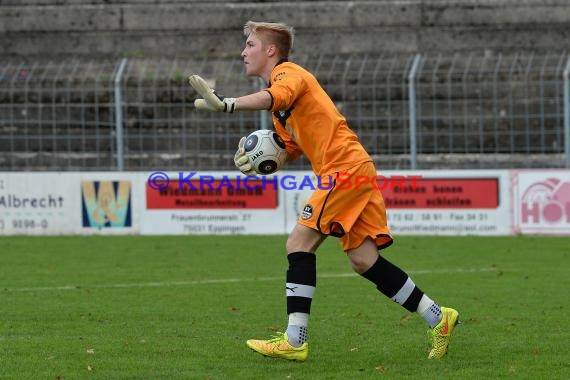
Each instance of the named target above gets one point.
<point>266,151</point>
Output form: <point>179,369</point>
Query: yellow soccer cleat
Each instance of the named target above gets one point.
<point>440,335</point>
<point>279,347</point>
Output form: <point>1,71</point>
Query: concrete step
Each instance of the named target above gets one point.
<point>190,28</point>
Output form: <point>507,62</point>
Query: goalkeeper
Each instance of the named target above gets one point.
<point>310,124</point>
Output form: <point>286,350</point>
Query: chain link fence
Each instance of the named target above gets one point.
<point>410,111</point>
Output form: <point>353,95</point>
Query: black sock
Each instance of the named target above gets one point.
<point>301,281</point>
<point>394,283</point>
<point>300,288</point>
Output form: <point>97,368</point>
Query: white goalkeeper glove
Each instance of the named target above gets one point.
<point>242,161</point>
<point>211,100</point>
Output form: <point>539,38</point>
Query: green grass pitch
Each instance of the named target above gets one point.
<point>182,307</point>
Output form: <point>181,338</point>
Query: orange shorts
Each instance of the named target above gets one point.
<point>347,206</point>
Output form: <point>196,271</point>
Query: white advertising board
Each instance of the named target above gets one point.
<point>541,201</point>
<point>35,204</point>
<point>68,203</point>
<point>462,202</point>
<point>209,203</point>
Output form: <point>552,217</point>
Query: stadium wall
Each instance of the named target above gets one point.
<point>461,202</point>
<point>148,28</point>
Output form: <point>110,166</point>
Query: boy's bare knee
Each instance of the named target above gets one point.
<point>363,257</point>
<point>304,239</point>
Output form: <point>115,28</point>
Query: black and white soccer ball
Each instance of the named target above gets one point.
<point>266,151</point>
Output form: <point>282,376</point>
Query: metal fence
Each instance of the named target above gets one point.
<point>410,111</point>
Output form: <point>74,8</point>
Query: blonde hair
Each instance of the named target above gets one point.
<point>279,34</point>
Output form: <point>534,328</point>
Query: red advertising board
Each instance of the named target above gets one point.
<point>218,194</point>
<point>434,193</point>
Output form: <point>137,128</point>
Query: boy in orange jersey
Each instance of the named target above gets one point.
<point>310,124</point>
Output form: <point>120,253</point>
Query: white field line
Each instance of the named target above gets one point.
<point>226,281</point>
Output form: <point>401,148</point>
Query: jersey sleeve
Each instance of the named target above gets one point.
<point>286,86</point>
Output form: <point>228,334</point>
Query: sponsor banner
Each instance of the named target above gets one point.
<point>67,203</point>
<point>39,204</point>
<point>106,204</point>
<point>222,205</point>
<point>444,193</point>
<point>420,203</point>
<point>541,202</point>
<point>220,195</point>
<point>458,202</point>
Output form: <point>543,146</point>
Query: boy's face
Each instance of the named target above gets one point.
<point>254,56</point>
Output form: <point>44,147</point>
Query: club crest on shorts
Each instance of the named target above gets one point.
<point>307,212</point>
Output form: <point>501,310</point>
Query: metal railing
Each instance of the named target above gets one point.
<point>410,111</point>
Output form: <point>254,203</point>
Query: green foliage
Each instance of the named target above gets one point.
<point>182,307</point>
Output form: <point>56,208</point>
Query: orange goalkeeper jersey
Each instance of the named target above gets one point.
<point>309,122</point>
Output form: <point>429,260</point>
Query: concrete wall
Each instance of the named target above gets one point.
<point>181,28</point>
